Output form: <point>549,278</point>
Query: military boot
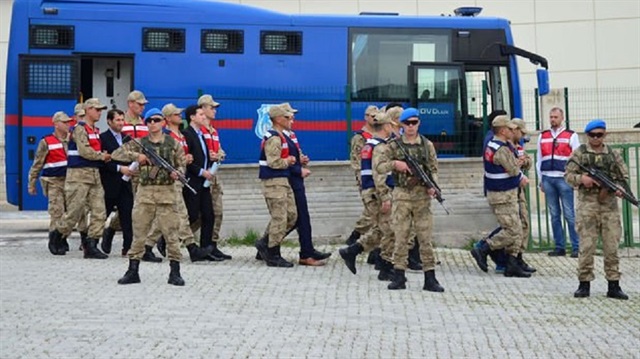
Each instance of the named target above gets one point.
<point>148,255</point>
<point>386,270</point>
<point>91,250</point>
<point>64,244</point>
<point>431,283</point>
<point>262,245</point>
<point>83,239</point>
<point>198,254</point>
<point>415,263</point>
<point>162,246</point>
<point>349,255</point>
<point>54,242</point>
<point>276,260</point>
<point>374,258</point>
<point>131,275</point>
<point>514,270</point>
<point>525,267</point>
<point>399,281</point>
<point>480,253</point>
<point>583,290</point>
<point>174,275</point>
<point>615,291</point>
<point>355,235</point>
<point>107,239</point>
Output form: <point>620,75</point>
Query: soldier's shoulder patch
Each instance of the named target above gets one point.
<point>367,152</point>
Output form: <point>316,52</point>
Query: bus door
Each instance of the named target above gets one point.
<point>437,90</point>
<point>47,84</point>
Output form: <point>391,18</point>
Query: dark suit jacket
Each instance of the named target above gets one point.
<point>112,179</point>
<point>193,169</point>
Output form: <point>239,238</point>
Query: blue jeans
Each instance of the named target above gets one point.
<point>557,190</point>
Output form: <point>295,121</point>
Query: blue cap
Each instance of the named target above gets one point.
<point>595,124</point>
<point>152,112</point>
<point>409,113</point>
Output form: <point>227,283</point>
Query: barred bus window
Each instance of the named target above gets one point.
<point>51,37</point>
<point>281,42</point>
<point>222,41</point>
<point>49,77</point>
<point>163,40</point>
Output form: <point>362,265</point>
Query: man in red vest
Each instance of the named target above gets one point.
<point>555,146</point>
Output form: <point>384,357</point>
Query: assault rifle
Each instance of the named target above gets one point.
<point>158,161</point>
<point>608,183</point>
<point>417,170</point>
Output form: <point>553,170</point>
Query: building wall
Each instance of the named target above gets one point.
<point>589,43</point>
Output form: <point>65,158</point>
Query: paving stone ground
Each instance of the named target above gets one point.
<point>70,307</point>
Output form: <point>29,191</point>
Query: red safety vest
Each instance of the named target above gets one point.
<point>55,163</point>
<point>181,140</point>
<point>135,131</point>
<point>555,152</point>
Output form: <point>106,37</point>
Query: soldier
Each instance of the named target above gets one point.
<point>51,159</point>
<point>357,142</point>
<point>412,200</point>
<point>598,213</point>
<point>155,199</point>
<point>502,178</point>
<point>376,191</point>
<point>83,186</point>
<point>275,162</point>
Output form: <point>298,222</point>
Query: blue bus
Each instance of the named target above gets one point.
<point>455,69</point>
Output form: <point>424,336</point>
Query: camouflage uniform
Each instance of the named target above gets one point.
<point>156,198</point>
<point>365,221</point>
<point>522,204</point>
<point>598,215</point>
<point>216,199</point>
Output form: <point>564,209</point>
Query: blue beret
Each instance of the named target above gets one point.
<point>409,113</point>
<point>152,112</point>
<point>595,124</point>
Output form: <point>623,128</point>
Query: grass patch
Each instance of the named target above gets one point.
<point>248,239</point>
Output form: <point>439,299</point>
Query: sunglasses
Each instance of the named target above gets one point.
<point>155,119</point>
<point>595,134</point>
<point>410,123</point>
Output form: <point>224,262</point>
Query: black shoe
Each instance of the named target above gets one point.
<point>575,254</point>
<point>319,256</point>
<point>54,242</point>
<point>131,276</point>
<point>174,275</point>
<point>386,270</point>
<point>107,239</point>
<point>355,235</point>
<point>514,270</point>
<point>258,256</point>
<point>557,253</point>
<point>218,253</point>
<point>276,260</point>
<point>148,255</point>
<point>162,246</point>
<point>431,284</point>
<point>262,245</point>
<point>525,267</point>
<point>213,258</point>
<point>399,280</point>
<point>198,254</point>
<point>91,250</point>
<point>374,258</point>
<point>349,255</point>
<point>615,291</point>
<point>415,263</point>
<point>583,290</point>
<point>480,254</point>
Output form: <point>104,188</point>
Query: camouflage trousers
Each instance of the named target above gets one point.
<point>53,189</point>
<point>165,215</point>
<point>282,208</point>
<point>185,235</point>
<point>80,197</point>
<point>216,199</point>
<point>505,207</point>
<point>524,219</point>
<point>595,220</point>
<point>364,223</point>
<point>380,235</point>
<point>412,218</point>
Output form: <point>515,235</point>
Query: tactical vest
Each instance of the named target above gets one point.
<point>495,176</point>
<point>604,161</point>
<point>555,152</point>
<point>420,152</point>
<point>366,164</point>
<point>73,156</point>
<point>153,175</point>
<point>265,171</point>
<point>55,163</point>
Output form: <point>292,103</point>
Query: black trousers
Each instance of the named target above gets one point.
<point>200,206</point>
<point>124,203</point>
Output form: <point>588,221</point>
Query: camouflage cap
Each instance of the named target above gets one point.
<point>78,110</point>
<point>394,115</point>
<point>138,97</point>
<point>95,103</point>
<point>171,109</point>
<point>60,117</point>
<point>278,110</point>
<point>207,100</point>
<point>503,121</point>
<point>288,107</point>
<point>520,124</point>
<point>381,118</point>
<point>371,110</point>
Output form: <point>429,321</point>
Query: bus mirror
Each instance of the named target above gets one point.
<point>543,81</point>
